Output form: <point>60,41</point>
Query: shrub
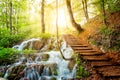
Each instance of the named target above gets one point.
<point>6,54</point>
<point>106,30</point>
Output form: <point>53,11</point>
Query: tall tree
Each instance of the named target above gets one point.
<point>103,11</point>
<point>42,17</point>
<point>85,8</point>
<point>6,13</point>
<point>11,17</point>
<point>75,25</point>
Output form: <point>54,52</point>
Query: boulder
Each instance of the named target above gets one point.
<point>37,45</point>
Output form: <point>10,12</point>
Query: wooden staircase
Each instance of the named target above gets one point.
<point>96,58</point>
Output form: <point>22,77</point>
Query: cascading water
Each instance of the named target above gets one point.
<point>55,68</point>
<point>24,44</point>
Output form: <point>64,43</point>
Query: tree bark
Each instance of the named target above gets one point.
<point>42,17</point>
<point>6,13</point>
<point>103,12</point>
<point>10,17</point>
<point>75,25</point>
<point>84,3</point>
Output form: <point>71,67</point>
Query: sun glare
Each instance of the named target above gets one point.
<point>61,18</point>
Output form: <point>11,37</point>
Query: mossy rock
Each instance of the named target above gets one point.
<point>55,72</point>
<point>45,57</point>
<point>53,78</point>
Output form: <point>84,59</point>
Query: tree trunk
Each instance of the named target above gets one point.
<point>75,25</point>
<point>6,13</point>
<point>10,17</point>
<point>103,12</point>
<point>42,17</point>
<point>86,9</point>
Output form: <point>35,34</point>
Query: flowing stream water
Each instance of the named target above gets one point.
<point>55,68</point>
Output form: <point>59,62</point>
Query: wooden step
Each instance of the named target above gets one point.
<point>79,45</point>
<point>95,58</point>
<point>106,68</point>
<point>113,73</point>
<point>90,54</point>
<point>100,63</point>
<point>81,48</point>
<point>109,70</point>
<point>85,51</point>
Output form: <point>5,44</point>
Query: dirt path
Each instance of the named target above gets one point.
<point>101,67</point>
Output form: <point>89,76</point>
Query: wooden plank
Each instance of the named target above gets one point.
<point>79,45</point>
<point>95,58</point>
<point>112,73</point>
<point>100,63</point>
<point>82,48</point>
<point>108,71</point>
<point>85,51</point>
<point>90,54</point>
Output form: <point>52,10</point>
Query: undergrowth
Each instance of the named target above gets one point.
<point>80,70</point>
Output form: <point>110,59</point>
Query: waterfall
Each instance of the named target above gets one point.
<point>31,73</point>
<point>24,44</point>
<point>74,71</point>
<point>39,69</point>
<point>46,71</point>
<point>6,74</point>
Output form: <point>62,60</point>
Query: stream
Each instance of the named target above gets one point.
<point>43,65</point>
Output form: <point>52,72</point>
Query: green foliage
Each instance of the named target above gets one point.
<point>113,5</point>
<point>7,40</point>
<point>38,34</point>
<point>45,35</point>
<point>7,53</point>
<point>105,30</point>
<point>28,51</point>
<point>81,72</point>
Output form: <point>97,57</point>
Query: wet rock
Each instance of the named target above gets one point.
<point>2,70</point>
<point>71,64</point>
<point>53,78</point>
<point>37,45</point>
<point>44,57</point>
<point>47,71</point>
<point>53,68</point>
<point>27,45</point>
<point>39,68</point>
<point>15,71</point>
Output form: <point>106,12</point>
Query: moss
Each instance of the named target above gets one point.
<point>45,57</point>
<point>53,78</point>
<point>55,72</point>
